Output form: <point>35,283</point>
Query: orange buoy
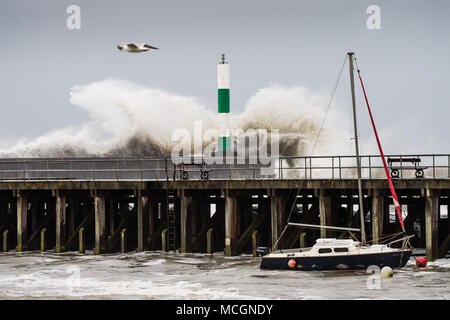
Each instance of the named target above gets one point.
<point>292,263</point>
<point>421,262</point>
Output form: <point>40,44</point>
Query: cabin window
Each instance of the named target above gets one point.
<point>340,249</point>
<point>325,250</point>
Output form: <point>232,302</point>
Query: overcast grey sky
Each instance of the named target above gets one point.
<point>405,63</point>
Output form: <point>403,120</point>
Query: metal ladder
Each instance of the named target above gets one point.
<point>171,224</point>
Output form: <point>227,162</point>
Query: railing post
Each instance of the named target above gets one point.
<point>434,168</point>
<point>340,169</point>
<point>310,167</point>
<point>332,167</point>
<point>401,167</point>
<point>370,167</point>
<point>306,169</point>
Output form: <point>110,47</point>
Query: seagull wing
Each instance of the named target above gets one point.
<point>149,46</point>
<point>132,45</point>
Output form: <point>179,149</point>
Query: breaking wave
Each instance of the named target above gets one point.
<point>127,120</point>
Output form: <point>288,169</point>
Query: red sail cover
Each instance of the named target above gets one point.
<point>391,186</point>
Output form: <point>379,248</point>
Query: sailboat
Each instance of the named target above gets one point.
<point>345,254</point>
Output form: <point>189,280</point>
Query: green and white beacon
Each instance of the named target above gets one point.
<point>223,97</point>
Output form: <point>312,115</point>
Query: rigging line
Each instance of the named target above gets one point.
<point>313,149</point>
<point>329,106</point>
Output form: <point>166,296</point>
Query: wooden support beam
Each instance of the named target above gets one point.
<point>277,218</point>
<point>431,225</point>
<point>81,247</point>
<point>123,241</point>
<point>255,242</point>
<point>303,240</point>
<point>377,214</point>
<point>44,239</point>
<point>231,217</point>
<point>325,213</point>
<point>100,237</point>
<point>164,241</point>
<point>5,241</point>
<point>60,207</point>
<point>22,208</point>
<point>142,222</point>
<point>185,220</point>
<point>210,241</point>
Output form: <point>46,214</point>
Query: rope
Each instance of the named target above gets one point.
<point>313,149</point>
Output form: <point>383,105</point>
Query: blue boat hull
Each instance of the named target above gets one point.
<point>344,262</point>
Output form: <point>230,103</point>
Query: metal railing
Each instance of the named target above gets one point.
<point>436,166</point>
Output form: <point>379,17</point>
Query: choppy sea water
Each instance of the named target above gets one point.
<point>156,275</point>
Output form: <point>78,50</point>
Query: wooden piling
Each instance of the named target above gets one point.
<point>43,240</point>
<point>277,218</point>
<point>377,214</point>
<point>22,208</point>
<point>325,212</point>
<point>81,248</point>
<point>303,240</point>
<point>142,222</point>
<point>5,241</point>
<point>164,244</point>
<point>123,241</point>
<point>185,219</point>
<point>431,225</point>
<point>100,237</point>
<point>60,223</point>
<point>231,236</point>
<point>255,242</point>
<point>210,241</point>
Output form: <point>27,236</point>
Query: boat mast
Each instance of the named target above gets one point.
<point>358,161</point>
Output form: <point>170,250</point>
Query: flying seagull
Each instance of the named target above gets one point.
<point>132,47</point>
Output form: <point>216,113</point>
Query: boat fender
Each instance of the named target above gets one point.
<point>386,272</point>
<point>292,263</point>
<point>421,262</point>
